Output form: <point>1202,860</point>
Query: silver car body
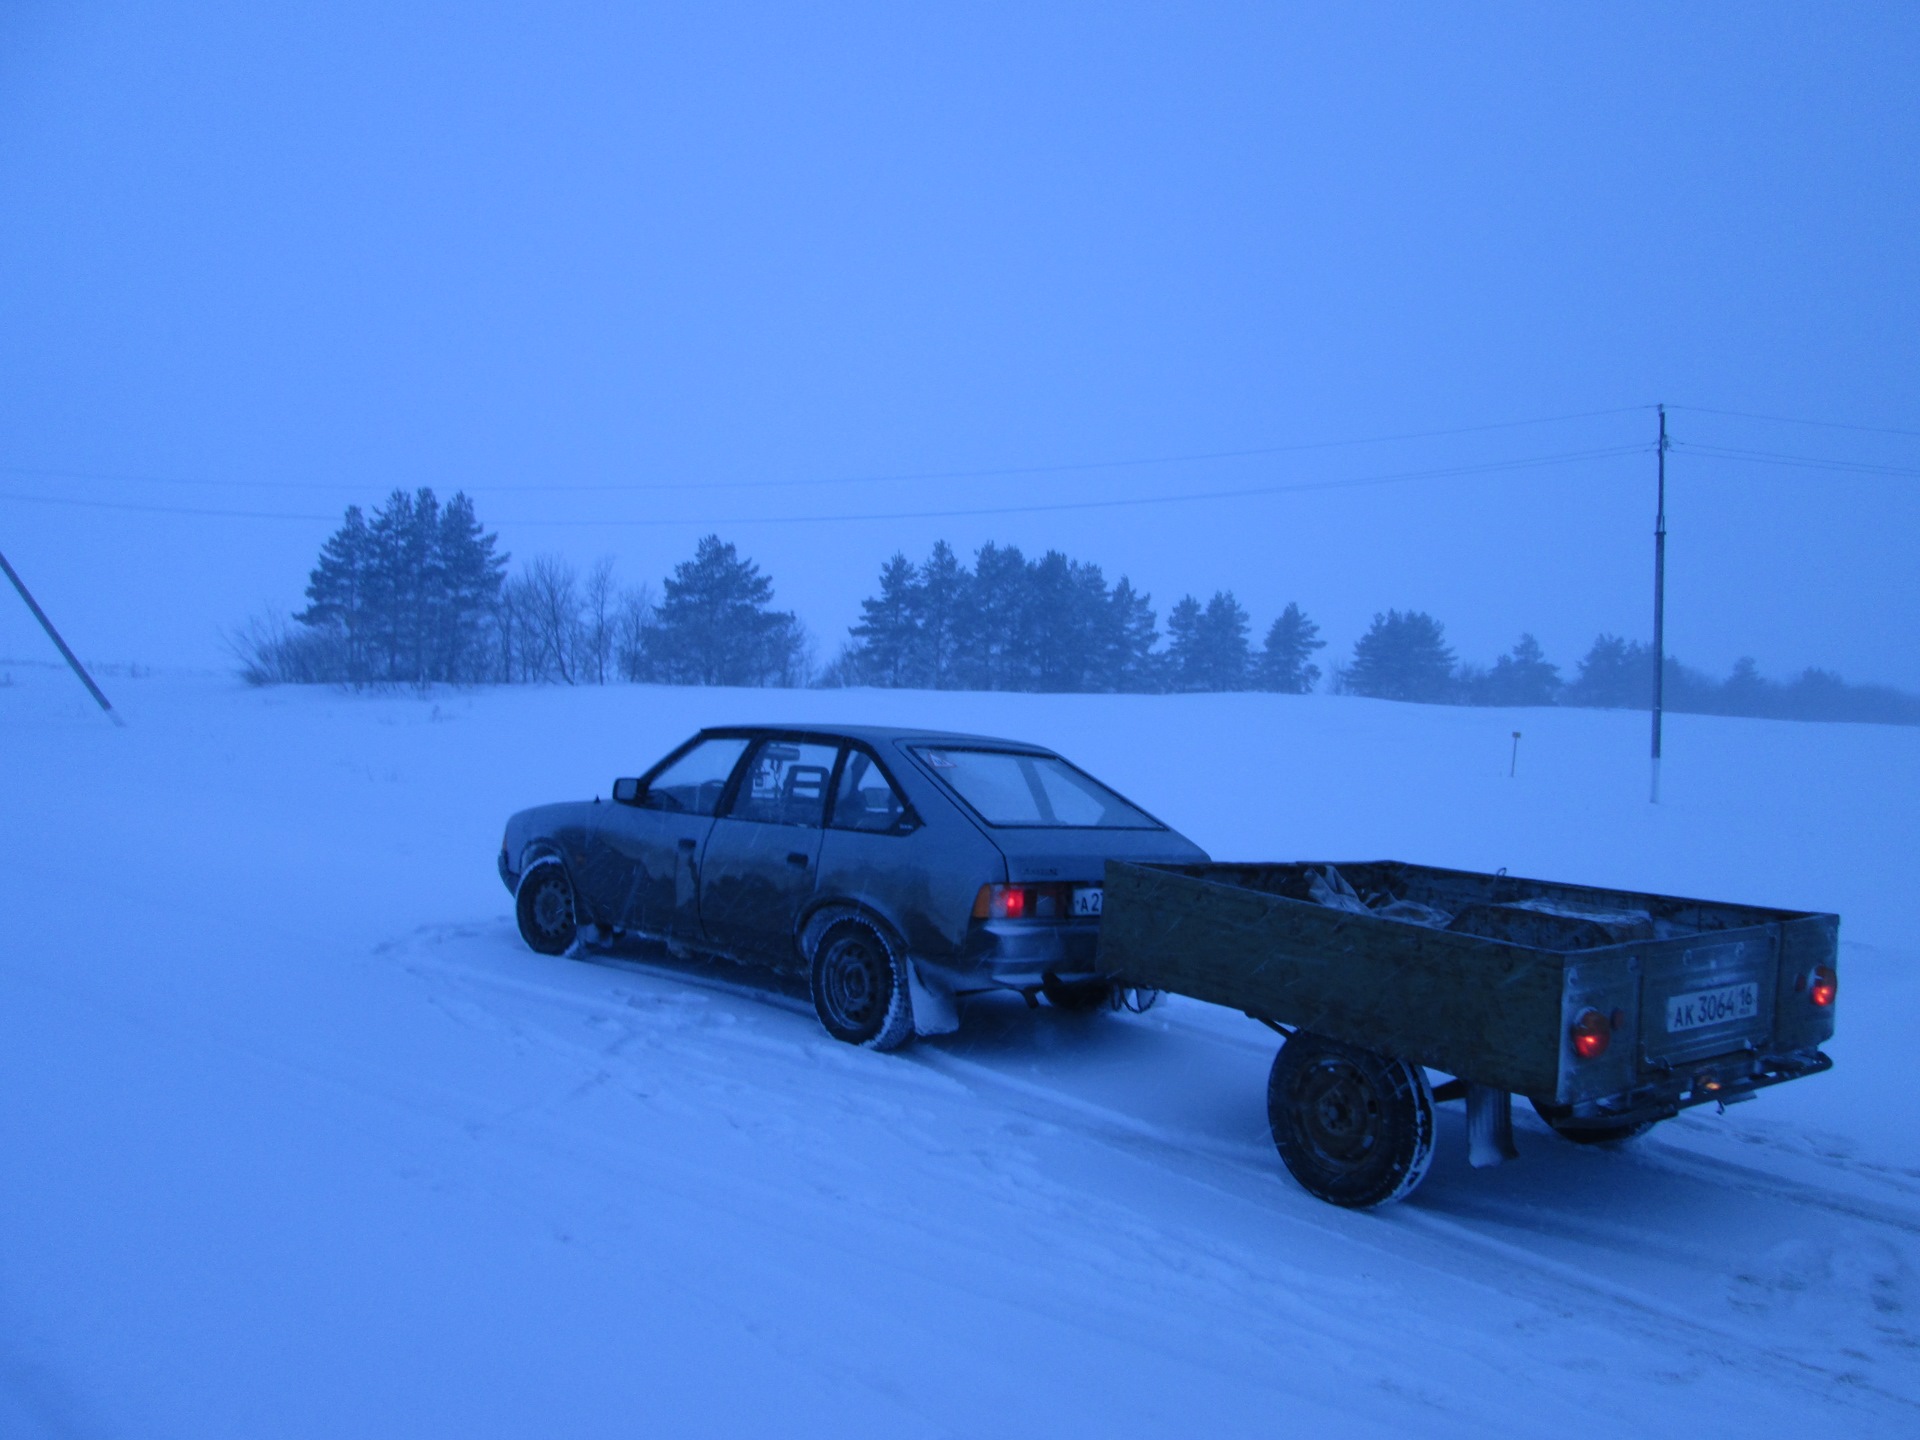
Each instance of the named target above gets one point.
<point>764,892</point>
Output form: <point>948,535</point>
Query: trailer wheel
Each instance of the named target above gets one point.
<point>1354,1128</point>
<point>1557,1117</point>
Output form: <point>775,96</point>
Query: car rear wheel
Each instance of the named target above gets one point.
<point>1559,1120</point>
<point>859,985</point>
<point>1354,1128</point>
<point>544,907</point>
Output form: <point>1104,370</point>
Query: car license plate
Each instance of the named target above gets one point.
<point>1086,899</point>
<point>1712,1007</point>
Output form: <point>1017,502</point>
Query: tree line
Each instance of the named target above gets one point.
<point>419,593</point>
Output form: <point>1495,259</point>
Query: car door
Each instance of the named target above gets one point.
<point>653,844</point>
<point>763,853</point>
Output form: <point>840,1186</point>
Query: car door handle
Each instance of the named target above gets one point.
<point>687,845</point>
<point>794,857</point>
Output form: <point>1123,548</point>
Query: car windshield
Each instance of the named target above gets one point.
<point>1008,788</point>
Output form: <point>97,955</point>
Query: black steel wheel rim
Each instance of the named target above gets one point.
<point>855,984</point>
<point>552,907</point>
<point>1338,1111</point>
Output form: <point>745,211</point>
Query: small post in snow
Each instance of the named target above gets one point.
<point>61,645</point>
<point>1659,600</point>
<point>1513,763</point>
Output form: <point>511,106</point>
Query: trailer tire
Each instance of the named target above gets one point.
<point>1556,1118</point>
<point>1354,1128</point>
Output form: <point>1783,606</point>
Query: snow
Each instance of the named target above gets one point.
<point>301,1141</point>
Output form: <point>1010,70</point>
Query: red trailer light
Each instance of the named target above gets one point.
<point>1824,986</point>
<point>1591,1033</point>
<point>1013,902</point>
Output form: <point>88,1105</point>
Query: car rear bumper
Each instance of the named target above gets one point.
<point>1016,955</point>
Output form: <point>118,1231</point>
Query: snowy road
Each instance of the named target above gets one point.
<point>303,1142</point>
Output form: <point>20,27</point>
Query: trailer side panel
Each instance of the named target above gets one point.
<point>1458,1003</point>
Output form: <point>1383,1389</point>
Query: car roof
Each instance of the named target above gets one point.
<point>879,734</point>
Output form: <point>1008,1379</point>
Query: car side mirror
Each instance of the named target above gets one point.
<point>627,792</point>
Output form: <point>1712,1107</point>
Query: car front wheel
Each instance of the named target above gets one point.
<point>859,985</point>
<point>544,906</point>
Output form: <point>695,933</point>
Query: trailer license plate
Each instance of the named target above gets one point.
<point>1712,1007</point>
<point>1086,899</point>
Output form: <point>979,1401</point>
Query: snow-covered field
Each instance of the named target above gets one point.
<point>300,1141</point>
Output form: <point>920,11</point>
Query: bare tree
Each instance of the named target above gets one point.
<point>553,620</point>
<point>597,622</point>
<point>630,625</point>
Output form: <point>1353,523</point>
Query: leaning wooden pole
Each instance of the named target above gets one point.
<point>54,635</point>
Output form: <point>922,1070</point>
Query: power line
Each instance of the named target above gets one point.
<point>654,522</point>
<point>1796,420</point>
<point>1013,471</point>
<point>1799,462</point>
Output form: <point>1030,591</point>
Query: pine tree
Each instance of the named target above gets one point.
<point>1286,660</point>
<point>1184,665</point>
<point>1132,632</point>
<point>887,647</point>
<point>715,624</point>
<point>1615,675</point>
<point>1523,676</point>
<point>470,575</point>
<point>999,620</point>
<point>946,597</point>
<point>1402,657</point>
<point>338,599</point>
<point>1221,644</point>
<point>1067,602</point>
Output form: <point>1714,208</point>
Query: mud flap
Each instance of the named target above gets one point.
<point>935,1012</point>
<point>1489,1127</point>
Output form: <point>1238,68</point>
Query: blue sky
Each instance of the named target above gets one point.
<point>279,259</point>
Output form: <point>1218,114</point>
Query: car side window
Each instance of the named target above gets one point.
<point>865,799</point>
<point>695,782</point>
<point>785,783</point>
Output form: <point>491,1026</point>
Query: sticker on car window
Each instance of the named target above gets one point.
<point>939,759</point>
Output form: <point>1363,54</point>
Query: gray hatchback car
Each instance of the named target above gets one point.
<point>899,869</point>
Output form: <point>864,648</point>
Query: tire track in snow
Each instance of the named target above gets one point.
<point>1548,1280</point>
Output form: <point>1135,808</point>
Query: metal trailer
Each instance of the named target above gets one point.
<point>1609,1010</point>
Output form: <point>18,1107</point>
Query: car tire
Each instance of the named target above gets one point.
<point>1354,1128</point>
<point>859,985</point>
<point>544,906</point>
<point>1557,1117</point>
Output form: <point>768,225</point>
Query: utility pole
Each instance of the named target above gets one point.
<point>54,635</point>
<point>1659,601</point>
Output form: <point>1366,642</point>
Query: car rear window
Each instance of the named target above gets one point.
<point>1008,788</point>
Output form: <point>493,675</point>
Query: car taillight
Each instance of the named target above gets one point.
<point>1021,902</point>
<point>1591,1032</point>
<point>1823,986</point>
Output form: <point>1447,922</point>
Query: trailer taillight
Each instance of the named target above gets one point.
<point>1824,986</point>
<point>1591,1032</point>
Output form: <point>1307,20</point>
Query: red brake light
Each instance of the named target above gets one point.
<point>1591,1033</point>
<point>1021,902</point>
<point>1824,986</point>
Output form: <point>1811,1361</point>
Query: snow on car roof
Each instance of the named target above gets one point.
<point>876,734</point>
